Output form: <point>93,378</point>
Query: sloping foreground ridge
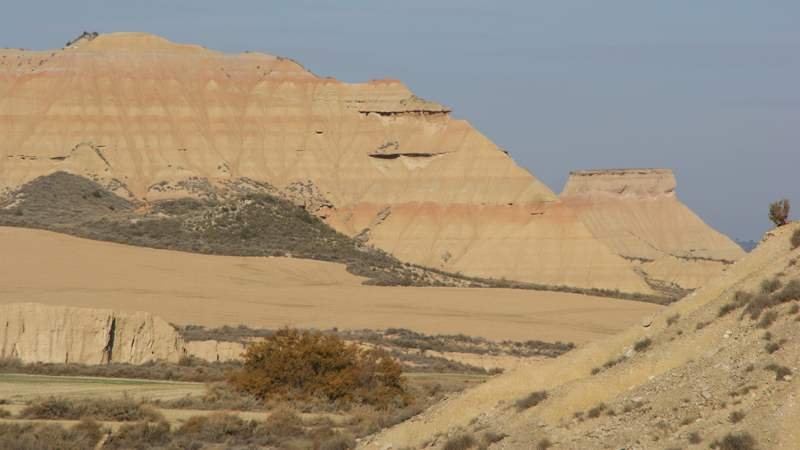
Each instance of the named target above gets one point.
<point>720,366</point>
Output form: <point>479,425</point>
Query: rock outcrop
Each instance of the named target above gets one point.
<point>636,213</point>
<point>36,333</point>
<point>151,119</point>
<point>32,332</point>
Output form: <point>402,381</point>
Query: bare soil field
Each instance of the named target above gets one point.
<point>45,267</point>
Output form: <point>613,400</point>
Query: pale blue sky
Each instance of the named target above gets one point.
<point>707,88</point>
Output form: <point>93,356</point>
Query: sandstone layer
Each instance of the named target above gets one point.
<point>152,119</point>
<point>636,213</point>
<point>61,334</point>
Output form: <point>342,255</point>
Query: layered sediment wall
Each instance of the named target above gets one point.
<point>33,332</point>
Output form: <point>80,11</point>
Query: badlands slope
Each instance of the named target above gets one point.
<point>185,288</point>
<point>152,119</point>
<point>636,213</point>
<point>702,370</point>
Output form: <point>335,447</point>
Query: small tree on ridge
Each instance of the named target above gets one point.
<point>779,212</point>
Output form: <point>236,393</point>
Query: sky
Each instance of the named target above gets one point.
<point>708,88</point>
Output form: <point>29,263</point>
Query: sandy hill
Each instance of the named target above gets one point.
<point>151,119</point>
<point>718,368</point>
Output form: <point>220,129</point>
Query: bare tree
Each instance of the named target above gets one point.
<point>779,212</point>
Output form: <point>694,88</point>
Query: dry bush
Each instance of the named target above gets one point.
<point>735,441</point>
<point>643,345</point>
<point>460,442</point>
<point>736,416</point>
<point>490,437</point>
<point>772,347</point>
<point>140,436</point>
<point>284,423</point>
<point>531,400</point>
<point>596,411</point>
<point>544,444</point>
<point>300,365</point>
<point>779,212</point>
<point>216,428</point>
<point>673,319</point>
<point>768,319</point>
<point>118,410</point>
<point>31,436</point>
<point>338,442</point>
<point>770,286</point>
<point>695,438</point>
<point>780,371</point>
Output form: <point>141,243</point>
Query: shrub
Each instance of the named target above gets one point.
<point>294,364</point>
<point>735,441</point>
<point>283,423</point>
<point>768,319</point>
<point>118,410</point>
<point>672,320</point>
<point>596,411</point>
<point>338,442</point>
<point>736,416</point>
<point>642,345</point>
<point>490,437</point>
<point>4,414</point>
<point>780,371</point>
<point>695,438</point>
<point>217,428</point>
<point>725,309</point>
<point>779,212</point>
<point>795,240</point>
<point>770,286</point>
<point>772,347</point>
<point>794,309</point>
<point>460,442</point>
<point>531,400</point>
<point>139,436</point>
<point>30,436</point>
<point>544,444</point>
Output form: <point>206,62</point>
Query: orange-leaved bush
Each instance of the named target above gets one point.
<point>296,365</point>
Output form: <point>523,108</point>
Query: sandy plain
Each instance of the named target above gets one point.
<point>183,288</point>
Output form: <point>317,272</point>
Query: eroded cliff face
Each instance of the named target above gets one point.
<point>152,119</point>
<point>33,332</point>
<point>636,213</point>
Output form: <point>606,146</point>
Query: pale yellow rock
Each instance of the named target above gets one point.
<point>214,351</point>
<point>636,213</point>
<point>61,334</point>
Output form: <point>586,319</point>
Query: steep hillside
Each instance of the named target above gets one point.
<point>718,368</point>
<point>636,213</point>
<point>241,224</point>
<point>150,119</point>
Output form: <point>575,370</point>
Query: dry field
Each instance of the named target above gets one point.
<point>45,267</point>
